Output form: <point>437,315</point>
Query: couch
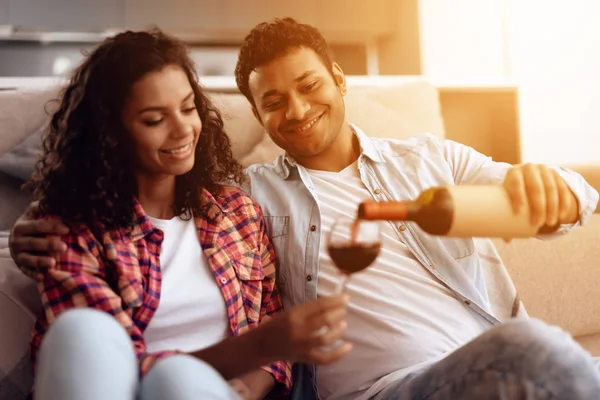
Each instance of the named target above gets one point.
<point>557,280</point>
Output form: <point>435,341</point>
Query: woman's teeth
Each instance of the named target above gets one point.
<point>178,150</point>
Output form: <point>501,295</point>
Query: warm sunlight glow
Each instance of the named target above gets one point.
<point>549,48</point>
<point>555,55</point>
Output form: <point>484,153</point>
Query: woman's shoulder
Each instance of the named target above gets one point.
<point>232,190</point>
<point>234,197</point>
<point>85,237</point>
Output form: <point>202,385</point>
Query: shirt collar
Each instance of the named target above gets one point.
<point>213,207</point>
<point>367,149</point>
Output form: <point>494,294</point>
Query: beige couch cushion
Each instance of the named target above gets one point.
<point>558,279</point>
<point>22,112</point>
<point>399,111</point>
<point>19,302</point>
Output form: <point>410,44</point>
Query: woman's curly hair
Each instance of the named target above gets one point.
<point>85,174</point>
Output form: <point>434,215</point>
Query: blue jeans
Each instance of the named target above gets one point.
<point>522,359</point>
<point>86,354</point>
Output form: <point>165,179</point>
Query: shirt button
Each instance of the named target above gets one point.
<point>309,278</point>
<point>467,302</point>
<point>377,191</point>
<point>402,228</point>
<point>223,280</point>
<point>313,228</point>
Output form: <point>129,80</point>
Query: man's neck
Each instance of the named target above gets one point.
<point>157,195</point>
<point>344,150</point>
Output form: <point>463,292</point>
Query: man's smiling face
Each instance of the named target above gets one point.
<point>299,101</point>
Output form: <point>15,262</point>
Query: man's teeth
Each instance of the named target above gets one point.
<point>309,125</point>
<point>179,150</point>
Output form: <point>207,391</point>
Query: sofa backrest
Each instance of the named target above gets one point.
<point>400,109</point>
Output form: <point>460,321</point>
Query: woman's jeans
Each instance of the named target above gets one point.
<point>87,355</point>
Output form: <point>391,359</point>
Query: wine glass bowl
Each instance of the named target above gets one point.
<point>353,245</point>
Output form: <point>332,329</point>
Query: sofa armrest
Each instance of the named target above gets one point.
<point>19,305</point>
<point>557,280</point>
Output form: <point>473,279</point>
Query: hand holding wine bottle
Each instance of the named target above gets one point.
<point>542,193</point>
<point>460,211</point>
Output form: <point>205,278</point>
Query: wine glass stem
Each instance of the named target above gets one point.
<point>343,283</point>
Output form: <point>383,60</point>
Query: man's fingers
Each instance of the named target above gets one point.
<point>536,194</point>
<point>52,226</point>
<point>35,263</point>
<point>328,356</point>
<point>40,227</point>
<point>515,186</point>
<point>49,245</point>
<point>552,197</point>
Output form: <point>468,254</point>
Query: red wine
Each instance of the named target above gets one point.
<point>354,230</point>
<point>353,258</point>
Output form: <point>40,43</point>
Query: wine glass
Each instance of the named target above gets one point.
<point>353,245</point>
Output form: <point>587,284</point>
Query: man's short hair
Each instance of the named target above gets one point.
<point>269,40</point>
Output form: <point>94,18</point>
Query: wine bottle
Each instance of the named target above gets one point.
<point>459,211</point>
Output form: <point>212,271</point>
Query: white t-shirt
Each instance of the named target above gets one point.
<point>400,316</point>
<point>191,313</point>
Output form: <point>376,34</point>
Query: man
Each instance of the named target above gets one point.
<point>420,317</point>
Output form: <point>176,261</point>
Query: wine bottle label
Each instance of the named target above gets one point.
<point>486,211</point>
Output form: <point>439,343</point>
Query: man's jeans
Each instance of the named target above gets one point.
<point>522,359</point>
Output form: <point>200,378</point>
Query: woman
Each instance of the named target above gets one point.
<point>178,263</point>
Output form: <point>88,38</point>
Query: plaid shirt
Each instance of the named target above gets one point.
<point>122,275</point>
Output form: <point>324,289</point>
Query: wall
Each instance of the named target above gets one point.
<point>486,120</point>
<point>400,52</point>
<point>555,52</point>
<point>27,59</point>
<point>35,59</point>
<point>461,46</point>
<point>550,50</point>
<point>463,39</point>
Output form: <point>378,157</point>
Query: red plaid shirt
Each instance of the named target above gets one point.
<point>122,275</point>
